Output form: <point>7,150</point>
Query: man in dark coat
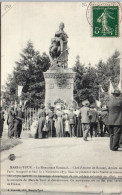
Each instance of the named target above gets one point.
<point>51,127</point>
<point>19,117</point>
<point>103,120</point>
<point>10,122</point>
<point>93,120</point>
<point>41,122</point>
<point>1,121</point>
<point>115,120</point>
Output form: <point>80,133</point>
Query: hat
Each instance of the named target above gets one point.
<point>58,106</point>
<point>51,108</point>
<point>71,108</point>
<point>92,106</point>
<point>85,103</point>
<point>116,91</point>
<point>104,108</point>
<point>42,106</point>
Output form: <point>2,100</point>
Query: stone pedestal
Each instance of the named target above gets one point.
<point>59,86</point>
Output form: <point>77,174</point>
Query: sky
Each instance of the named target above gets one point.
<point>38,22</point>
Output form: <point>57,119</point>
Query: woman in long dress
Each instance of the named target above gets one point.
<point>59,122</point>
<point>66,126</point>
<point>79,126</point>
<point>34,126</point>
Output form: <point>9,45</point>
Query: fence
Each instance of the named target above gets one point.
<point>29,115</point>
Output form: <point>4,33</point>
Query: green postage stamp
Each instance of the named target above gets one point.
<point>105,21</point>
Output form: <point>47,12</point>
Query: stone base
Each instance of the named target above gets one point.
<point>58,86</point>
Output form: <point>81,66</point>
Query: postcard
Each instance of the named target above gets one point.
<point>61,97</point>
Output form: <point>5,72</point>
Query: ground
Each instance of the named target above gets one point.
<point>64,152</point>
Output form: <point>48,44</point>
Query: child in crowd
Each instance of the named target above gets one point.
<point>67,128</point>
<point>34,126</point>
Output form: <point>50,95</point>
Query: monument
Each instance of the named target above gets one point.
<point>59,79</point>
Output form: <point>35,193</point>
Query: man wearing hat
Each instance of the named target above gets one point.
<point>85,118</point>
<point>93,120</point>
<point>103,120</point>
<point>19,117</point>
<point>51,126</point>
<point>10,121</point>
<point>115,119</point>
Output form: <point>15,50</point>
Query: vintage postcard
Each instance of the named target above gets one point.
<point>61,97</point>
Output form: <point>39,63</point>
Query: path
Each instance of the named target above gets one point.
<point>62,152</point>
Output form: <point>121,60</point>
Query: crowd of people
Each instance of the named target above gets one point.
<point>15,117</point>
<point>85,122</point>
<point>60,122</point>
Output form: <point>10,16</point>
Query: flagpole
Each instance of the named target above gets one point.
<point>111,88</point>
<point>99,92</point>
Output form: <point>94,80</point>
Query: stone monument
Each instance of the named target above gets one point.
<point>59,79</point>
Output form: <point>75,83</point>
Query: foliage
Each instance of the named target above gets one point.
<point>89,80</point>
<point>29,74</point>
<point>9,93</point>
<point>85,83</point>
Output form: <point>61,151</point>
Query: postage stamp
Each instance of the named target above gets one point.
<point>105,21</point>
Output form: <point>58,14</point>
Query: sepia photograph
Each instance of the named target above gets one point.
<point>61,97</point>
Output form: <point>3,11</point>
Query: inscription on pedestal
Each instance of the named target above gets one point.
<point>51,86</point>
<point>59,86</point>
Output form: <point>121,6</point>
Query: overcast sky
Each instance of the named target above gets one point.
<point>39,21</point>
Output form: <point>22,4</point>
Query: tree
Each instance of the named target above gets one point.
<point>29,73</point>
<point>106,72</point>
<point>85,86</point>
<point>89,79</point>
<point>113,64</point>
<point>9,91</point>
<point>79,70</point>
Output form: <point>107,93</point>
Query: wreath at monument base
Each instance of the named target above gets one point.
<point>61,102</point>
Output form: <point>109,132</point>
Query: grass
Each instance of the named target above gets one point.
<point>7,143</point>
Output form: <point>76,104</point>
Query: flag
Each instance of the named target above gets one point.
<point>101,89</point>
<point>19,90</point>
<point>119,86</point>
<point>111,88</point>
<point>20,102</point>
<point>15,104</point>
<point>25,102</point>
<point>98,103</point>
